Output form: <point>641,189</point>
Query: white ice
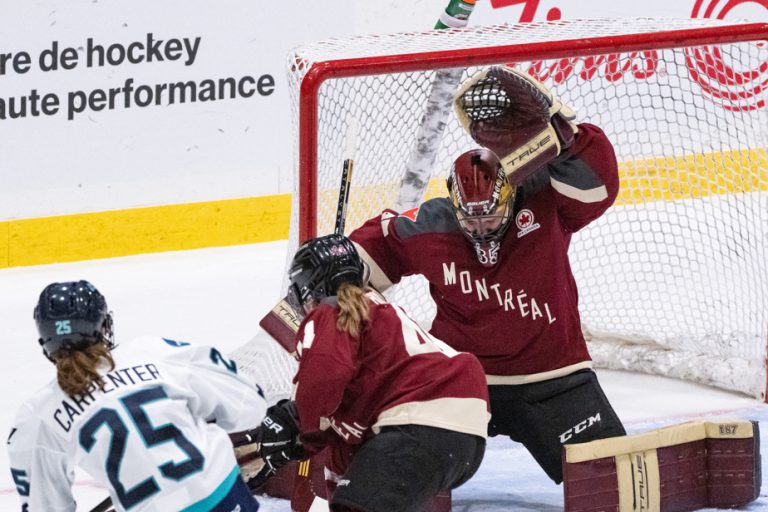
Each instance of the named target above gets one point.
<point>217,296</point>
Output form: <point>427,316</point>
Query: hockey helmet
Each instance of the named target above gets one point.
<point>482,200</point>
<point>320,266</point>
<point>72,315</point>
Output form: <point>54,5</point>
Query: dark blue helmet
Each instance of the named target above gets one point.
<point>72,316</point>
<point>320,266</point>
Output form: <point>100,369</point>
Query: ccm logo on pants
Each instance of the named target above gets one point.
<point>579,427</point>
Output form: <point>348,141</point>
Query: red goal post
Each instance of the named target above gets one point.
<point>673,279</point>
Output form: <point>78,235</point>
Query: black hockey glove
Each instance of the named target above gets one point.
<point>276,441</point>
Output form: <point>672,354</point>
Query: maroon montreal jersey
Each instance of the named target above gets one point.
<point>521,316</point>
<point>394,373</point>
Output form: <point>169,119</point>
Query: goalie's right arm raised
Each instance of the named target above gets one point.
<point>515,116</point>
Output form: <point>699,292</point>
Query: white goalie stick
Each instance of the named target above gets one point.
<point>418,169</point>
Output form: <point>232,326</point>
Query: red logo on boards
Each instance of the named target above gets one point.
<point>733,89</point>
<point>736,89</point>
<point>529,9</point>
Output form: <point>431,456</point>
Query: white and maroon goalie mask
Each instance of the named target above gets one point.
<point>482,200</point>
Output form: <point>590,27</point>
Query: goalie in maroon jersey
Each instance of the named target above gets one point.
<point>403,415</point>
<point>495,253</point>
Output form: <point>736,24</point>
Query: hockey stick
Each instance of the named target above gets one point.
<point>341,207</point>
<point>283,321</point>
<point>346,175</point>
<point>104,506</point>
<point>418,169</point>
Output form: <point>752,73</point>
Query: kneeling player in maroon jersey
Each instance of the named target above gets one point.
<point>403,415</point>
<point>495,253</point>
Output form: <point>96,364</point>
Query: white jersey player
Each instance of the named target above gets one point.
<point>148,420</point>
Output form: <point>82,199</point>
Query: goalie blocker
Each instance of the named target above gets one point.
<point>282,323</point>
<point>674,469</point>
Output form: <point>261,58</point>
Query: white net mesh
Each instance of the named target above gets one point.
<point>673,278</point>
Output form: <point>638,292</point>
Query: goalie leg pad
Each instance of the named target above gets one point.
<point>674,469</point>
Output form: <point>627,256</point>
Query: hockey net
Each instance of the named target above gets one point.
<point>673,279</point>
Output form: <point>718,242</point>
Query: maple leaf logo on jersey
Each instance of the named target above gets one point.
<point>411,214</point>
<point>525,223</point>
<point>524,219</point>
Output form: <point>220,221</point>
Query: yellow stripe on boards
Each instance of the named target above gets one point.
<point>684,177</point>
<point>692,176</point>
<point>144,230</point>
<point>266,218</point>
<point>4,246</point>
<point>642,181</point>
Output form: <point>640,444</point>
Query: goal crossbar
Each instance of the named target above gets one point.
<point>364,65</point>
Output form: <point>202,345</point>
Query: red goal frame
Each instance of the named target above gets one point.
<point>319,72</point>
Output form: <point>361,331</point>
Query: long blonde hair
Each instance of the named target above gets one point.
<point>353,309</point>
<point>77,370</point>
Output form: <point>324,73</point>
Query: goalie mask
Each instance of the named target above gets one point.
<point>320,266</point>
<point>72,316</point>
<point>482,200</point>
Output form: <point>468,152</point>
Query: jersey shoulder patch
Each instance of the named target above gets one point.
<point>412,214</point>
<point>433,216</point>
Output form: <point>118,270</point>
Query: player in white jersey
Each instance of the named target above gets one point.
<point>148,419</point>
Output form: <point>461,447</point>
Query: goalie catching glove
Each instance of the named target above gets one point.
<point>262,451</point>
<point>516,117</point>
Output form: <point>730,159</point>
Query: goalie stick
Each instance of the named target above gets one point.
<point>418,169</point>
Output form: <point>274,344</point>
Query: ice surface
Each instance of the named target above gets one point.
<point>217,296</point>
